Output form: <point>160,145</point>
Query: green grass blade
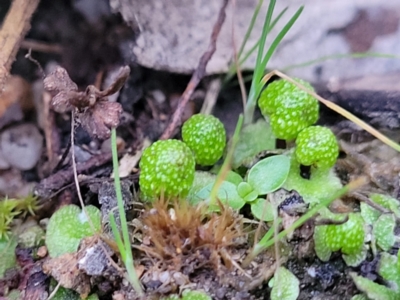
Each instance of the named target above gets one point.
<point>232,69</point>
<point>251,26</point>
<point>277,41</point>
<point>338,56</point>
<point>117,186</point>
<point>247,55</point>
<point>117,236</point>
<point>259,68</point>
<point>125,241</point>
<point>226,166</point>
<point>256,85</point>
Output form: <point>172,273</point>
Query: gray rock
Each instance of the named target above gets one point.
<point>174,34</point>
<point>21,146</point>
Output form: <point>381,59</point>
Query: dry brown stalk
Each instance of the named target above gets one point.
<point>15,26</point>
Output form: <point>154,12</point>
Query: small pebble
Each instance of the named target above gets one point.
<point>21,146</point>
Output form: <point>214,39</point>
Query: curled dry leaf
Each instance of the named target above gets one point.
<point>99,119</point>
<point>65,270</point>
<point>61,88</point>
<point>96,115</point>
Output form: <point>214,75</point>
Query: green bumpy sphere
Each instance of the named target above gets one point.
<point>290,109</point>
<point>317,146</point>
<point>166,169</point>
<point>206,136</point>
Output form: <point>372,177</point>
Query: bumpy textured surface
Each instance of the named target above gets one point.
<point>290,108</point>
<point>166,169</point>
<point>348,237</point>
<point>206,136</point>
<point>317,146</point>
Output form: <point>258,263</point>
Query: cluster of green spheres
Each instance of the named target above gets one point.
<point>292,112</point>
<point>167,167</point>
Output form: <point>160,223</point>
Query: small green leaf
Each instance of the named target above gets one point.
<point>387,202</point>
<point>383,231</point>
<point>247,192</point>
<point>234,178</point>
<point>398,261</point>
<point>171,297</point>
<point>254,138</point>
<point>7,253</point>
<point>14,295</point>
<point>286,285</point>
<point>369,214</point>
<point>31,236</point>
<point>227,193</point>
<point>68,294</point>
<point>357,258</point>
<point>321,248</point>
<point>195,295</point>
<point>386,269</point>
<point>201,180</point>
<point>355,234</point>
<point>269,174</point>
<point>263,210</point>
<point>373,290</point>
<point>68,226</point>
<point>64,293</point>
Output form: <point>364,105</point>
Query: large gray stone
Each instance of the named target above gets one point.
<point>173,35</point>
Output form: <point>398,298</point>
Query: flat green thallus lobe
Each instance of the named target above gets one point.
<point>166,169</point>
<point>348,237</point>
<point>205,135</point>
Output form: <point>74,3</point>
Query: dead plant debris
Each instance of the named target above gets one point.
<point>96,114</point>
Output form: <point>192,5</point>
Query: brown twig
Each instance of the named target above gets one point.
<point>368,201</point>
<point>197,75</point>
<point>39,46</point>
<point>53,183</point>
<point>15,26</point>
<point>236,60</point>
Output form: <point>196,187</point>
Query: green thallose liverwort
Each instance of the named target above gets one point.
<point>289,108</point>
<point>205,135</point>
<point>347,237</point>
<point>166,170</point>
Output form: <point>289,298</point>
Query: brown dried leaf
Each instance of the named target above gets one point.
<point>95,113</point>
<point>118,83</point>
<point>61,101</point>
<point>65,270</point>
<point>62,88</point>
<point>58,81</point>
<point>99,119</point>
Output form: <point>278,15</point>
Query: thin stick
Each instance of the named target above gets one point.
<point>15,26</point>
<point>40,46</point>
<point>236,59</point>
<point>54,292</point>
<point>368,201</point>
<point>197,75</point>
<point>35,61</point>
<point>50,186</point>
<point>211,96</point>
<point>78,189</point>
